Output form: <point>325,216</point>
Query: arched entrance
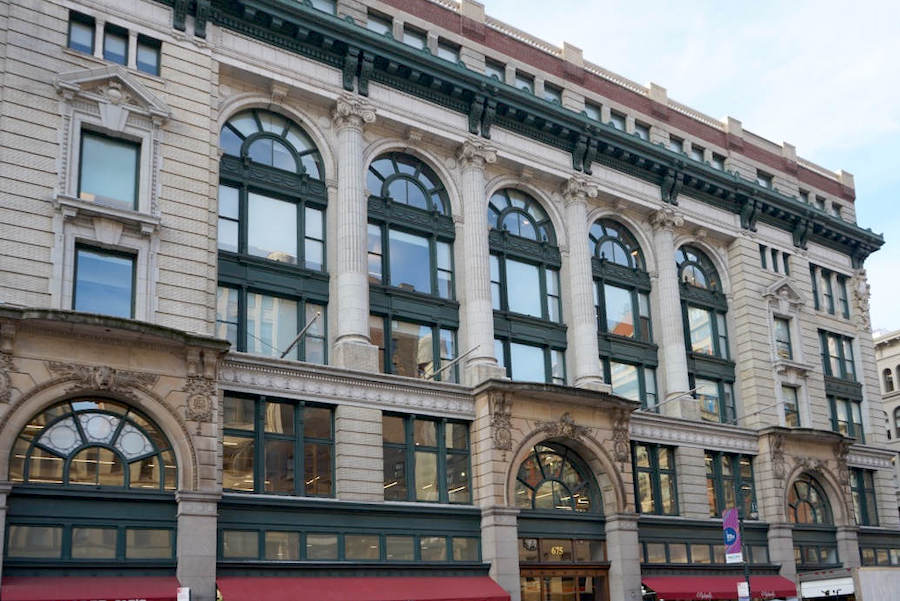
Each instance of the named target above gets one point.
<point>562,547</point>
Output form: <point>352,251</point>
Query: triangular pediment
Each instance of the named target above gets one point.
<point>784,291</point>
<point>113,86</point>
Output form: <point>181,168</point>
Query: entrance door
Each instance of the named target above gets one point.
<point>563,584</point>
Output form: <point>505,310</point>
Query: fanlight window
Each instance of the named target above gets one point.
<point>695,268</point>
<point>270,139</point>
<point>519,214</point>
<point>407,180</point>
<point>94,442</point>
<point>807,503</point>
<point>553,477</point>
<point>613,242</point>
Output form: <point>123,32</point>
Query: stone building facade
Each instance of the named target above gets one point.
<point>554,322</point>
<point>887,358</point>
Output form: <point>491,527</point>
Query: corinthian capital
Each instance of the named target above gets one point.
<point>578,189</point>
<point>666,218</point>
<point>352,111</point>
<point>475,152</point>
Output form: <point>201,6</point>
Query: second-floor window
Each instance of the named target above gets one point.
<point>655,489</point>
<point>716,399</point>
<point>862,488</point>
<point>837,355</point>
<point>729,482</point>
<point>103,282</point>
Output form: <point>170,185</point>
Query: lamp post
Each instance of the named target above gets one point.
<point>753,515</point>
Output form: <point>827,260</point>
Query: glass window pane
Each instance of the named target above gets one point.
<point>645,493</point>
<point>395,474</point>
<point>240,544</point>
<point>237,463</point>
<point>94,543</point>
<point>707,393</point>
<point>317,422</point>
<point>229,205</point>
<point>239,413</point>
<point>228,235</point>
<point>700,324</point>
<point>448,354</point>
<point>148,543</point>
<point>465,549</point>
<point>227,315</point>
<point>523,289</point>
<point>426,476</point>
<point>667,494</point>
<point>318,469</point>
<point>399,548</point>
<point>700,554</point>
<point>109,171</point>
<point>34,541</point>
<point>361,547</point>
<point>656,552</point>
<point>457,435</point>
<point>527,363</point>
<point>677,553</point>
<point>283,546</point>
<point>433,548</point>
<point>458,478</point>
<point>81,35</point>
<point>148,57</point>
<point>410,262</point>
<point>412,349</point>
<point>619,315</point>
<point>115,46</point>
<point>271,228</point>
<point>104,283</point>
<point>625,380</point>
<point>425,433</point>
<point>495,283</point>
<point>280,418</point>
<point>373,245</point>
<point>393,429</point>
<point>321,546</point>
<point>271,325</point>
<point>144,473</point>
<point>279,462</point>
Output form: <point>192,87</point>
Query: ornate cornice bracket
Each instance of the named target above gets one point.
<point>671,185</point>
<point>352,111</point>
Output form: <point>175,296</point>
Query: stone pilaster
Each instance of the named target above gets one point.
<point>781,549</point>
<point>475,308</point>
<point>196,542</point>
<point>499,547</point>
<point>848,546</point>
<point>5,487</point>
<point>358,463</point>
<point>690,465</point>
<point>582,332</point>
<point>624,556</point>
<point>667,317</point>
<point>349,283</point>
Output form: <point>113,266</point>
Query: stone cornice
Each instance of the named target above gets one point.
<point>870,457</point>
<point>650,427</point>
<point>326,384</point>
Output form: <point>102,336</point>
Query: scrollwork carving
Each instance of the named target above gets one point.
<point>776,455</point>
<point>861,294</point>
<point>475,153</point>
<point>352,111</point>
<point>666,218</point>
<point>578,189</point>
<point>101,377</point>
<point>565,427</point>
<point>201,395</point>
<point>501,421</point>
<point>620,438</point>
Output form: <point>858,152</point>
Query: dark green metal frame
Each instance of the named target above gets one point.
<point>654,470</point>
<point>737,481</point>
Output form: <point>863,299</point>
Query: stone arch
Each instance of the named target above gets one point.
<point>714,254</point>
<point>234,105</point>
<point>608,477</point>
<point>841,513</point>
<point>62,389</point>
<point>547,202</point>
<point>383,146</point>
<point>637,230</point>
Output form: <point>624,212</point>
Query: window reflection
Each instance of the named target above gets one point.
<point>271,325</point>
<point>104,283</point>
<point>619,313</point>
<point>523,288</point>
<point>625,380</point>
<point>700,324</point>
<point>527,363</point>
<point>272,228</point>
<point>410,262</point>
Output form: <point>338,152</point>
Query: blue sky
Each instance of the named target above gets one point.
<point>821,75</point>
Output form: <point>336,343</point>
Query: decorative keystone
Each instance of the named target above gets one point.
<point>476,153</point>
<point>352,111</point>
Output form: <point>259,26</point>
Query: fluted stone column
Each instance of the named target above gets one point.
<point>475,308</point>
<point>196,542</point>
<point>349,292</point>
<point>667,321</point>
<point>584,353</point>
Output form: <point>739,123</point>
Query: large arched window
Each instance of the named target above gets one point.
<point>704,307</point>
<point>410,253</point>
<point>554,477</point>
<point>93,442</point>
<point>621,298</point>
<point>807,503</point>
<point>888,380</point>
<point>530,339</point>
<point>271,237</point>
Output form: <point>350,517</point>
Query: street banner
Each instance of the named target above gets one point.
<point>731,527</point>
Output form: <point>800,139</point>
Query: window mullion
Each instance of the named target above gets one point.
<point>299,451</point>
<point>259,472</point>
<point>443,494</point>
<point>409,425</point>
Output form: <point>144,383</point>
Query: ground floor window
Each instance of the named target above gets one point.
<point>880,556</point>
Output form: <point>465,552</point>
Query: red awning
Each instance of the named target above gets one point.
<point>463,588</point>
<point>694,588</point>
<point>77,588</point>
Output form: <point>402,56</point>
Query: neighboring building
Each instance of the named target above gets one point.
<point>557,322</point>
<point>887,358</point>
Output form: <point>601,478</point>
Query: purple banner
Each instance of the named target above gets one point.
<point>731,528</point>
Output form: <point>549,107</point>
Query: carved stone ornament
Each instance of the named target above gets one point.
<point>564,428</point>
<point>666,218</point>
<point>500,421</point>
<point>841,451</point>
<point>620,437</point>
<point>6,366</point>
<point>783,297</point>
<point>352,111</point>
<point>861,293</point>
<point>101,377</point>
<point>578,189</point>
<point>475,152</point>
<point>776,454</point>
<point>201,395</point>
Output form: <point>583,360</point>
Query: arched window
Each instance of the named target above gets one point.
<point>271,237</point>
<point>410,252</point>
<point>554,477</point>
<point>897,423</point>
<point>95,442</point>
<point>807,503</point>
<point>704,307</point>
<point>622,302</point>
<point>888,380</point>
<point>530,339</point>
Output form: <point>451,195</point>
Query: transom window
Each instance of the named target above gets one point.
<point>93,442</point>
<point>695,268</point>
<point>611,241</point>
<point>553,477</point>
<point>716,399</point>
<point>269,139</point>
<point>807,503</point>
<point>519,214</point>
<point>405,179</point>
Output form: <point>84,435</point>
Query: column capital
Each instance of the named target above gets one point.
<point>475,152</point>
<point>666,218</point>
<point>578,189</point>
<point>352,111</point>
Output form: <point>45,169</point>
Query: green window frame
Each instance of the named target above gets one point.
<point>716,399</point>
<point>814,278</point>
<point>807,503</point>
<point>639,385</point>
<point>846,417</point>
<point>813,556</point>
<point>696,553</point>
<point>556,473</point>
<point>413,444</point>
<point>862,489</point>
<point>728,476</point>
<point>837,355</point>
<point>74,542</point>
<point>387,333</point>
<point>654,470</point>
<point>295,434</point>
<point>234,306</point>
<point>553,357</point>
<point>83,22</point>
<point>695,316</point>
